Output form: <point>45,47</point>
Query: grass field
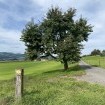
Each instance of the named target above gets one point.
<point>7,70</point>
<point>46,83</point>
<point>95,61</point>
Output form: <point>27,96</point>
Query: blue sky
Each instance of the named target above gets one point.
<point>16,13</point>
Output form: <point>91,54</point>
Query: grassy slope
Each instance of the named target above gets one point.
<point>95,60</point>
<point>7,70</point>
<point>47,84</point>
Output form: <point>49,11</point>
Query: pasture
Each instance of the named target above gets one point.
<point>46,83</point>
<point>7,69</point>
<point>95,61</point>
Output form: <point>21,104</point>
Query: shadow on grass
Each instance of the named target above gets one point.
<point>95,65</point>
<point>73,68</point>
<point>33,92</point>
<point>6,100</point>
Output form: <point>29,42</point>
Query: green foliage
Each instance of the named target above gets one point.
<point>63,35</point>
<point>69,50</point>
<point>95,52</point>
<point>32,37</point>
<point>103,53</point>
<point>59,34</point>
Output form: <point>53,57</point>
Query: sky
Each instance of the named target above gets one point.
<point>14,15</point>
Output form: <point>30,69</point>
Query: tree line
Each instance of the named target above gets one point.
<point>97,52</point>
<point>58,33</point>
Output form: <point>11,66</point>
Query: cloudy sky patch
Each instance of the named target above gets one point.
<point>16,13</point>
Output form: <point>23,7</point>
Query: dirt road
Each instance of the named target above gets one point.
<point>93,74</point>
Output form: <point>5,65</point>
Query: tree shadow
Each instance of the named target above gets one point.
<point>85,66</point>
<point>70,69</point>
<point>31,92</point>
<point>29,97</point>
<point>95,65</point>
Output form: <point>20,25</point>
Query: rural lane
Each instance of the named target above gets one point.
<point>93,74</point>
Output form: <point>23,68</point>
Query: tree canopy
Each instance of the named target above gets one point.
<point>96,52</point>
<point>32,37</point>
<point>103,53</point>
<point>59,33</point>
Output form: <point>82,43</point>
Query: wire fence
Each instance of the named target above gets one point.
<point>98,62</point>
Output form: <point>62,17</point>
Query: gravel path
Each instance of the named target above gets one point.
<point>93,74</point>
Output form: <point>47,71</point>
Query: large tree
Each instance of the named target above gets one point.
<point>63,35</point>
<point>60,34</point>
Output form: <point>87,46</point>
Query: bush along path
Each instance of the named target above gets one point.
<point>93,74</point>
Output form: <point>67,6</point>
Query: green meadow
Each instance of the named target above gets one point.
<point>46,83</point>
<point>97,61</point>
<point>7,69</point>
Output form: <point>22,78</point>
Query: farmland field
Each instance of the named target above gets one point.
<point>46,83</point>
<point>7,69</point>
<point>95,61</point>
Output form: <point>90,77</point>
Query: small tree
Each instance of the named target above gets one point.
<point>103,53</point>
<point>95,52</point>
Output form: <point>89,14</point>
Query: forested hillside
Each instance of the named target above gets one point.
<point>11,56</point>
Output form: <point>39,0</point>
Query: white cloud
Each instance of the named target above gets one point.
<point>21,10</point>
<point>10,41</point>
<point>9,34</point>
<point>64,4</point>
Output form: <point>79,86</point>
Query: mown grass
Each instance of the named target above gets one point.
<point>49,84</point>
<point>7,69</point>
<point>97,61</point>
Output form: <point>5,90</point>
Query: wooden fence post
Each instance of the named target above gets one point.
<point>19,84</point>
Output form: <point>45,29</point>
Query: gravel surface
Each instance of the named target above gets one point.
<point>93,74</point>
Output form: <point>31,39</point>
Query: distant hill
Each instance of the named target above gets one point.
<point>4,56</point>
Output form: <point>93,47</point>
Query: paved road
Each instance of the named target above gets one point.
<point>93,74</point>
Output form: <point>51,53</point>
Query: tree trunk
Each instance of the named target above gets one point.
<point>65,65</point>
